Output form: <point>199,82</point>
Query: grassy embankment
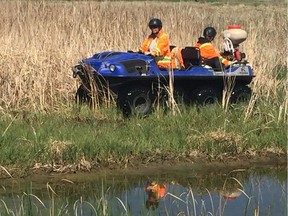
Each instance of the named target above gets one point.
<point>40,41</point>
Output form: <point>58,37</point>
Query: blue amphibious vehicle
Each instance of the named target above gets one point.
<point>137,83</point>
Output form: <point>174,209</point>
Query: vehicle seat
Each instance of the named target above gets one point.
<point>191,57</point>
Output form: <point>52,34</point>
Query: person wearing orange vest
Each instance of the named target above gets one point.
<point>208,52</point>
<point>157,44</point>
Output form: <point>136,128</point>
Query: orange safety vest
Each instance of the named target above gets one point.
<point>161,52</point>
<point>207,51</point>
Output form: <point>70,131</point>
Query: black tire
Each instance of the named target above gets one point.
<point>82,95</point>
<point>181,96</point>
<point>240,94</point>
<point>136,101</point>
<point>205,95</point>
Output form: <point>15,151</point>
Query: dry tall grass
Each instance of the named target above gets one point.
<point>41,40</point>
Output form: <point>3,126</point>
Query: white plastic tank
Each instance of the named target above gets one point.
<point>235,34</point>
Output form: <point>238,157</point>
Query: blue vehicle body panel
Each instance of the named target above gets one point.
<point>101,62</point>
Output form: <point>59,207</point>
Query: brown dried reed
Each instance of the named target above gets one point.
<point>41,40</point>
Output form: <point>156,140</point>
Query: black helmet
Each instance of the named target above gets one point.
<point>209,32</point>
<point>155,23</point>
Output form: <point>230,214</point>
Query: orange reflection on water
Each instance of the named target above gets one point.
<point>155,192</point>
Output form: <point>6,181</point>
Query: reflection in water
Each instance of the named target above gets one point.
<point>230,195</point>
<point>181,191</point>
<point>232,187</point>
<point>155,192</point>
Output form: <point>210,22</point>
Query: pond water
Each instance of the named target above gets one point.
<point>177,190</point>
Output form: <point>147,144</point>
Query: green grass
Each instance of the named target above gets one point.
<point>103,137</point>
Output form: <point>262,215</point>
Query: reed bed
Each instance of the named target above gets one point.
<point>42,40</point>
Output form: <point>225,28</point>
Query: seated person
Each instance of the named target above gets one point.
<point>207,51</point>
<point>157,44</point>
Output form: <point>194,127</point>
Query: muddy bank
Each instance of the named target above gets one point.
<point>155,162</point>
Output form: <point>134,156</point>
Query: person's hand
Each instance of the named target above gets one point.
<point>231,63</point>
<point>148,53</point>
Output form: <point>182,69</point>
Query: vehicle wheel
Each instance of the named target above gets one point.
<point>82,95</point>
<point>136,101</point>
<point>240,94</point>
<point>205,95</point>
<point>181,96</point>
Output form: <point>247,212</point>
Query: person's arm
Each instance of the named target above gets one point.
<point>208,51</point>
<point>225,61</point>
<point>145,46</point>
